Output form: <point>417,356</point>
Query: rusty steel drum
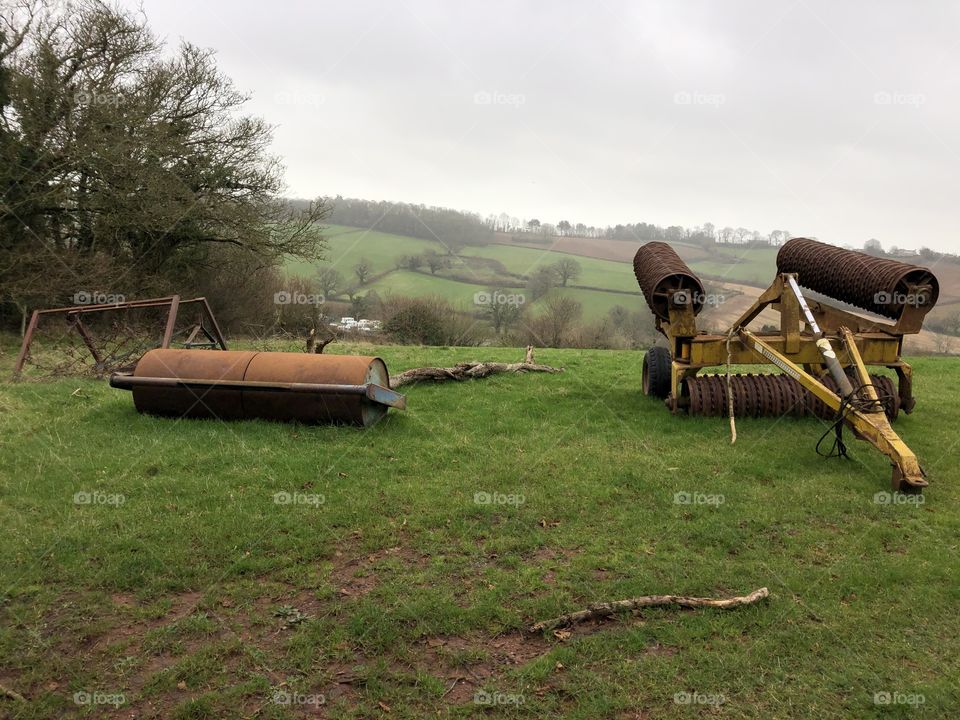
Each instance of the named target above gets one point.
<point>877,284</point>
<point>665,278</point>
<point>238,385</point>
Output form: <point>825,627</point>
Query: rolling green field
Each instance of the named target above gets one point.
<point>602,284</point>
<point>347,245</point>
<point>149,571</point>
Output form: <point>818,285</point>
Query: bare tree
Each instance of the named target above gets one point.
<point>567,269</point>
<point>363,270</point>
<point>559,318</point>
<point>329,281</point>
<point>435,261</point>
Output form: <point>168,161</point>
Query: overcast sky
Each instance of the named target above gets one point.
<point>832,119</point>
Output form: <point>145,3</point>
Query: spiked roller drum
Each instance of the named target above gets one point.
<point>876,284</point>
<point>664,279</point>
<point>768,395</point>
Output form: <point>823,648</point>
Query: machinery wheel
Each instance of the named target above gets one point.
<point>656,372</point>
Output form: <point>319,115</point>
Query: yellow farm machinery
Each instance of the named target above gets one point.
<point>822,350</point>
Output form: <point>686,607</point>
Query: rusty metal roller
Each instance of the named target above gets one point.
<point>661,275</point>
<point>766,395</point>
<point>876,284</point>
<point>241,385</point>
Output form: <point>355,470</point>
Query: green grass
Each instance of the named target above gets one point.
<point>346,246</point>
<point>182,597</point>
<point>752,266</point>
<point>595,273</point>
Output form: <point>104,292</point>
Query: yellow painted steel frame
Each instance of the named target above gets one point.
<point>880,342</point>
<point>870,425</point>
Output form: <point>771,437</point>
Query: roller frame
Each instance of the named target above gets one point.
<point>858,342</point>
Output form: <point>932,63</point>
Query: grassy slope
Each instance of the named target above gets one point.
<point>170,598</point>
<point>348,245</point>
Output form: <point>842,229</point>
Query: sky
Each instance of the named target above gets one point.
<point>837,120</point>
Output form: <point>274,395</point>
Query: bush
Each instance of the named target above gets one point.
<point>427,321</point>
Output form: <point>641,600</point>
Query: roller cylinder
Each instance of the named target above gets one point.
<point>665,279</point>
<point>279,368</point>
<point>882,286</point>
<point>766,395</point>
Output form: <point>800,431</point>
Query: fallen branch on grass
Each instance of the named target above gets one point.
<point>468,371</point>
<point>12,694</point>
<point>599,610</point>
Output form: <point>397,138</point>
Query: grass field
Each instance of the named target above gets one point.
<point>175,586</point>
<point>347,245</point>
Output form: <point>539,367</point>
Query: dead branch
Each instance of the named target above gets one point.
<point>314,345</point>
<point>12,694</point>
<point>469,371</point>
<point>600,610</point>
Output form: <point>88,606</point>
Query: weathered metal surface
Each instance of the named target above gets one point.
<point>666,281</point>
<point>74,314</point>
<point>233,385</point>
<point>882,286</point>
<point>767,395</point>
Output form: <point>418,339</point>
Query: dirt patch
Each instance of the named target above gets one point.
<point>354,576</point>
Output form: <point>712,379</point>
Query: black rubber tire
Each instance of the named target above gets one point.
<point>656,372</point>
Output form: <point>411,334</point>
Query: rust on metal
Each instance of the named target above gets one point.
<point>885,287</point>
<point>237,385</point>
<point>666,281</point>
<point>206,324</point>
